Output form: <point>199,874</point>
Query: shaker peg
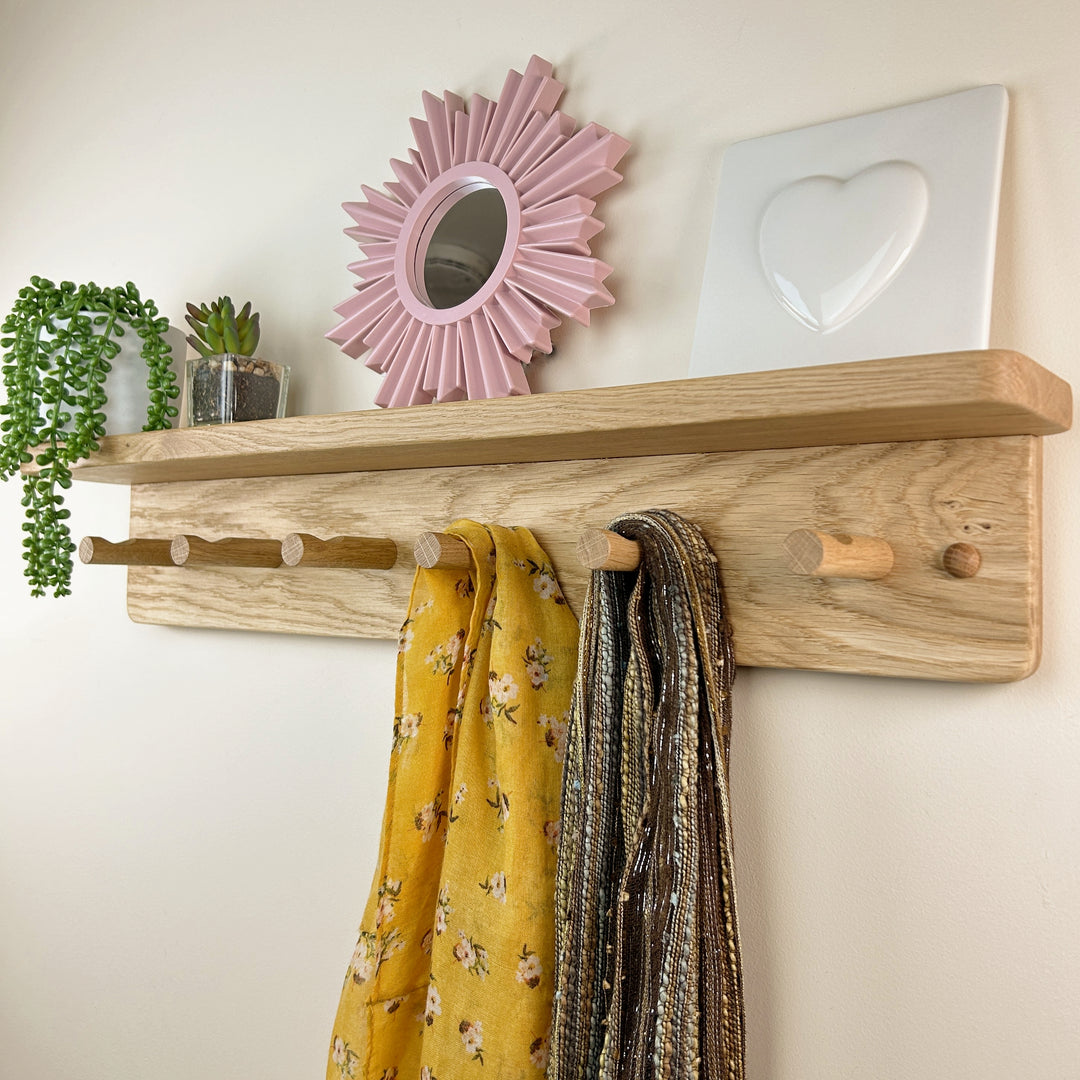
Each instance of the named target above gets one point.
<point>601,549</point>
<point>822,554</point>
<point>441,551</point>
<point>138,551</point>
<point>189,550</point>
<point>354,552</point>
<point>961,560</point>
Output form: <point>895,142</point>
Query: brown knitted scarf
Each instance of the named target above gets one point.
<point>648,978</point>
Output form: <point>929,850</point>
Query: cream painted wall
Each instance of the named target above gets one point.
<point>188,819</point>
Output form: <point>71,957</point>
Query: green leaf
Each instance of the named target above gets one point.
<point>231,338</point>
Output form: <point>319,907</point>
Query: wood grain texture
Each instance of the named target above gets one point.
<point>961,560</point>
<point>191,551</point>
<point>919,621</point>
<point>434,550</point>
<point>599,549</point>
<point>136,551</point>
<point>822,554</point>
<point>946,396</point>
<point>354,552</point>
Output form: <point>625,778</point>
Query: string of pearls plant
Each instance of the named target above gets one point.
<point>58,342</point>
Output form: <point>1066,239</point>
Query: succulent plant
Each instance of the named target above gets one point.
<point>220,328</point>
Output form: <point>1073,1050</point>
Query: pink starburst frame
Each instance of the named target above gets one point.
<point>547,176</point>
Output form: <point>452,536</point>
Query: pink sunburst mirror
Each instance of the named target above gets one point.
<point>480,247</point>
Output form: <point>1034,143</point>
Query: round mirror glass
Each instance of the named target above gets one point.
<point>465,247</point>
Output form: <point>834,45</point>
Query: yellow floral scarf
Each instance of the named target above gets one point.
<point>453,967</point>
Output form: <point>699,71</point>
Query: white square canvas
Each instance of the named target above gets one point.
<point>855,239</point>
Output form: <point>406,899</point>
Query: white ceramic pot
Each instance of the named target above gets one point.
<point>125,385</point>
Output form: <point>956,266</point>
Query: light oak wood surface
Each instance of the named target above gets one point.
<point>230,551</point>
<point>135,551</point>
<point>821,554</point>
<point>440,551</point>
<point>961,560</point>
<point>921,496</point>
<point>353,552</point>
<point>946,396</point>
<point>600,549</point>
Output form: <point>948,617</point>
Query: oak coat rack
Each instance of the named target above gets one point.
<point>927,454</point>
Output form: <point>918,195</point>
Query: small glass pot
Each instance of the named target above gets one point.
<point>226,389</point>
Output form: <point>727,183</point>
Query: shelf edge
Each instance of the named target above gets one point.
<point>949,395</point>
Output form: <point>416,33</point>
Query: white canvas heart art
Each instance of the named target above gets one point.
<point>855,239</point>
<point>829,247</point>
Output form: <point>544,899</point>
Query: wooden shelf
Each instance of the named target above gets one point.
<point>924,452</point>
<point>945,396</point>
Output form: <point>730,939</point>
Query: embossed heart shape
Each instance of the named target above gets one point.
<point>830,247</point>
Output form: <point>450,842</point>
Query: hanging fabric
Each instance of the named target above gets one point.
<point>649,975</point>
<point>453,971</point>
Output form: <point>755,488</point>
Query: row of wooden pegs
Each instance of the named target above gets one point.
<point>809,552</point>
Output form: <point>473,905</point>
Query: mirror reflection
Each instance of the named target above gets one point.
<point>465,248</point>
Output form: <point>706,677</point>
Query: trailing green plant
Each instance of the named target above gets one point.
<point>220,328</point>
<point>59,341</point>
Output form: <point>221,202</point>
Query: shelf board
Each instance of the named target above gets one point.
<point>920,496</point>
<point>922,451</point>
<point>942,396</point>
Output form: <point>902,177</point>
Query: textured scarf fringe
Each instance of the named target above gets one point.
<point>649,982</point>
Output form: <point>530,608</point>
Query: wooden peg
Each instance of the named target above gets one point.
<point>137,551</point>
<point>441,551</point>
<point>355,552</point>
<point>821,554</point>
<point>599,549</point>
<point>232,551</point>
<point>961,560</point>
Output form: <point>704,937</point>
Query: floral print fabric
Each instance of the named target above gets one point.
<point>452,973</point>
